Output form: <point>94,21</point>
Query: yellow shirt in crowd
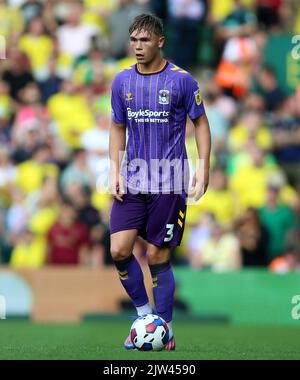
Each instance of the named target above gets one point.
<point>38,49</point>
<point>43,220</point>
<point>11,21</point>
<point>239,135</point>
<point>95,12</point>
<point>72,115</point>
<point>220,203</point>
<point>30,175</point>
<point>220,9</point>
<point>249,185</point>
<point>32,255</point>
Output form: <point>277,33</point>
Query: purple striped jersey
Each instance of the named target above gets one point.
<point>154,109</point>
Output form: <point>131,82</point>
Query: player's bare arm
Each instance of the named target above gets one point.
<point>203,141</point>
<point>117,143</point>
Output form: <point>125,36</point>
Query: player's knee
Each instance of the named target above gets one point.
<point>151,257</point>
<point>157,256</point>
<point>119,253</point>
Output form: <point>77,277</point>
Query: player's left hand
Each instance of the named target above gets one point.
<point>200,183</point>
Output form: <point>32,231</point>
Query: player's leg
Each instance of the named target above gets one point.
<point>129,270</point>
<point>163,285</point>
<point>126,219</point>
<point>166,215</point>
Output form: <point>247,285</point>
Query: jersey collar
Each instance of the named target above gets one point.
<point>151,72</point>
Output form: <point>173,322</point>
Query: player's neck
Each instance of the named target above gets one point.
<point>155,66</point>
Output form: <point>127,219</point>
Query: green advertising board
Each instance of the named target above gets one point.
<point>282,52</point>
<point>256,297</point>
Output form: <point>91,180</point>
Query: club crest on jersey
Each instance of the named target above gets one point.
<point>164,97</point>
<point>128,96</point>
<point>198,97</point>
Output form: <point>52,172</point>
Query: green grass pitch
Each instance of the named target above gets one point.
<point>103,340</point>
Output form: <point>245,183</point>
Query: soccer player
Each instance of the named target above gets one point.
<point>150,104</point>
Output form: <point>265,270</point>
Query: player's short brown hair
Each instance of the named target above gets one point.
<point>149,23</point>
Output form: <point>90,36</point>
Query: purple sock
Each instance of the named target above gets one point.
<point>163,289</point>
<point>132,279</point>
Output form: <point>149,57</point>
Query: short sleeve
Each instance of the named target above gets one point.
<point>118,113</point>
<point>192,99</point>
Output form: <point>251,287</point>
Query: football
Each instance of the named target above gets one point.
<point>149,333</point>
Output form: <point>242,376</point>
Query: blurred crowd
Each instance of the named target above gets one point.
<point>61,57</point>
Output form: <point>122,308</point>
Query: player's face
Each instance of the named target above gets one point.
<point>146,46</point>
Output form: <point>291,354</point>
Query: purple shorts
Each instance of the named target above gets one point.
<point>159,218</point>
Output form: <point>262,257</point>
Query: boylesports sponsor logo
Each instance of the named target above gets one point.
<point>148,116</point>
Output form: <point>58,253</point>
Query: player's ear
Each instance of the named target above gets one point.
<point>161,41</point>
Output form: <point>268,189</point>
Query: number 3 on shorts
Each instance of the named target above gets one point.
<point>169,236</point>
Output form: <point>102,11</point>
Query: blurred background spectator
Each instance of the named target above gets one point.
<point>68,238</point>
<point>254,239</point>
<point>54,127</point>
<point>221,252</point>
